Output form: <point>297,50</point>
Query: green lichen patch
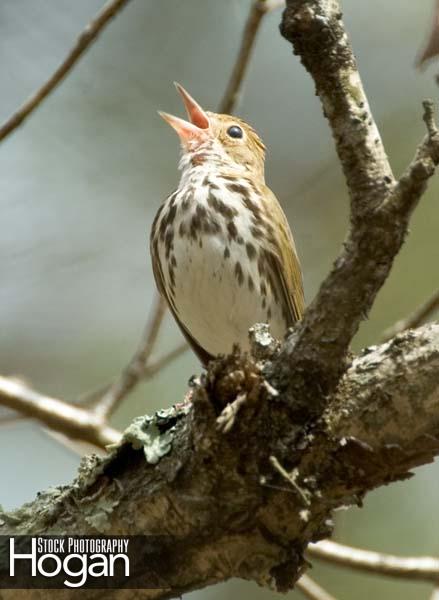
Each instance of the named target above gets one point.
<point>154,434</point>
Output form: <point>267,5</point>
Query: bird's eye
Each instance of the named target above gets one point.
<point>235,132</point>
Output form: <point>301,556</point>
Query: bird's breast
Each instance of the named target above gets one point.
<point>209,240</point>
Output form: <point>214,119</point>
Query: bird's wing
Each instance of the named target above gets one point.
<point>204,356</point>
<point>283,260</point>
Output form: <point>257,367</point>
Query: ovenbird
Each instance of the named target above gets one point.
<point>223,255</point>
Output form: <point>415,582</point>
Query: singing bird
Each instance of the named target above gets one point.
<point>223,255</point>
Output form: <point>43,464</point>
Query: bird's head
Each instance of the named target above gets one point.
<point>208,134</point>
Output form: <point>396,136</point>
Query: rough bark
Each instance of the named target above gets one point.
<point>227,511</point>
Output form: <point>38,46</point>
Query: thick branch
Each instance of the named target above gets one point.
<point>219,496</point>
<point>379,217</point>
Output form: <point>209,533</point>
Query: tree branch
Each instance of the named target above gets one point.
<point>220,497</point>
<point>231,96</point>
<point>318,349</point>
<point>416,568</point>
<point>135,369</point>
<point>310,589</point>
<point>76,422</point>
<point>416,318</point>
<point>84,41</point>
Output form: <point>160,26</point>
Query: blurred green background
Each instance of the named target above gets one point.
<point>81,181</point>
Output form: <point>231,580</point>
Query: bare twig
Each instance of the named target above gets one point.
<point>153,367</point>
<point>257,11</point>
<point>413,181</point>
<point>291,478</point>
<point>73,421</point>
<point>416,318</point>
<point>311,589</point>
<point>86,38</point>
<point>424,568</point>
<point>135,369</point>
<point>431,49</point>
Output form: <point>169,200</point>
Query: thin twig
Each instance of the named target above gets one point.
<point>151,368</point>
<point>154,367</point>
<point>424,568</point>
<point>86,38</point>
<point>431,49</point>
<point>416,318</point>
<point>257,11</point>
<point>134,370</point>
<point>312,590</point>
<point>76,422</point>
<point>291,478</point>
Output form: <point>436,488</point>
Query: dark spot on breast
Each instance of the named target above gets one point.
<point>238,189</point>
<point>170,215</point>
<point>263,289</point>
<point>226,252</point>
<point>154,230</point>
<point>269,314</point>
<point>231,228</point>
<point>194,227</point>
<point>211,225</point>
<point>182,229</point>
<point>251,250</point>
<point>199,159</point>
<point>169,238</point>
<point>253,208</point>
<point>261,268</point>
<point>173,261</point>
<point>238,273</point>
<point>201,211</point>
<point>240,240</point>
<point>256,232</point>
<point>171,276</point>
<point>251,285</point>
<point>221,207</point>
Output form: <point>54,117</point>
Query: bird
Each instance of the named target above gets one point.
<point>223,255</point>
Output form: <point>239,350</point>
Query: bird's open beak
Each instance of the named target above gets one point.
<point>197,129</point>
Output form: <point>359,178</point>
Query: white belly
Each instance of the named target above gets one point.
<point>217,292</point>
